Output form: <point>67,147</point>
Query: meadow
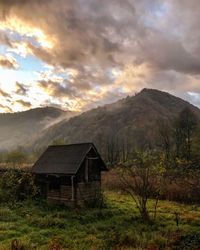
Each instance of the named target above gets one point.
<point>38,225</point>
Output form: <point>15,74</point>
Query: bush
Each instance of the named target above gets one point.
<point>179,188</point>
<point>16,185</point>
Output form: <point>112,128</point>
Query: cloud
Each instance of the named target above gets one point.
<point>56,89</point>
<point>8,62</point>
<point>20,48</point>
<point>152,44</point>
<point>24,103</point>
<point>5,108</point>
<point>4,40</point>
<point>169,54</point>
<point>79,33</point>
<point>21,89</point>
<point>4,94</point>
<point>106,33</point>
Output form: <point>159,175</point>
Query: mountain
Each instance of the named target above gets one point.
<point>133,119</point>
<point>17,129</point>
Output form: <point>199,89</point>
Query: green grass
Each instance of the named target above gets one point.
<point>118,226</point>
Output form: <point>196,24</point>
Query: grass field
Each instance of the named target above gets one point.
<point>37,225</point>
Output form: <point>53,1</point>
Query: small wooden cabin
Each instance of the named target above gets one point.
<point>70,174</point>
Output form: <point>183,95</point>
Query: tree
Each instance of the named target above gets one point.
<point>196,143</point>
<point>142,180</point>
<point>186,175</point>
<point>165,140</point>
<point>184,129</point>
<point>112,150</point>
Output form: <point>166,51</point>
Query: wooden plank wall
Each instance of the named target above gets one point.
<point>64,194</point>
<point>84,192</point>
<point>87,191</point>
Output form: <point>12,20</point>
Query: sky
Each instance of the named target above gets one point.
<point>80,54</point>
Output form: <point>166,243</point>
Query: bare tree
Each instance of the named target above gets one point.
<point>142,180</point>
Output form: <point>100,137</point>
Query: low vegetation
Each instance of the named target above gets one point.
<point>37,225</point>
<point>17,185</point>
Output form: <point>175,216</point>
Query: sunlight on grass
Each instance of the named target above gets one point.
<point>117,226</point>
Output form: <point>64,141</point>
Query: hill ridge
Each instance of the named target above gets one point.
<point>17,128</point>
<point>134,116</point>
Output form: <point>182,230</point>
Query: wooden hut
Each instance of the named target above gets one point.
<point>70,174</point>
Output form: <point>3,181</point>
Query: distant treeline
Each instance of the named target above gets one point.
<point>179,138</point>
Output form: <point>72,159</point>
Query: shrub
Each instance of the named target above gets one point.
<point>179,188</point>
<point>16,185</point>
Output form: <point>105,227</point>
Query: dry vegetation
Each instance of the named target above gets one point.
<point>173,190</point>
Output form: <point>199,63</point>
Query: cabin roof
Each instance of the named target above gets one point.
<point>64,159</point>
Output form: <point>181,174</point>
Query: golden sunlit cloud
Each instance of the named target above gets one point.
<point>72,73</point>
<point>133,77</point>
<point>20,48</point>
<point>5,109</point>
<point>14,24</point>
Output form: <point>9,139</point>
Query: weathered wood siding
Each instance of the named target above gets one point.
<point>62,195</point>
<point>87,191</point>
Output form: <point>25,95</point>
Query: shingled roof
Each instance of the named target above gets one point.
<point>64,159</point>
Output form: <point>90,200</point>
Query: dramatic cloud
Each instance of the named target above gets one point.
<point>8,62</point>
<point>90,52</point>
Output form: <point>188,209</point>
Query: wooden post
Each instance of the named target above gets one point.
<point>47,187</point>
<point>86,169</point>
<point>72,183</point>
